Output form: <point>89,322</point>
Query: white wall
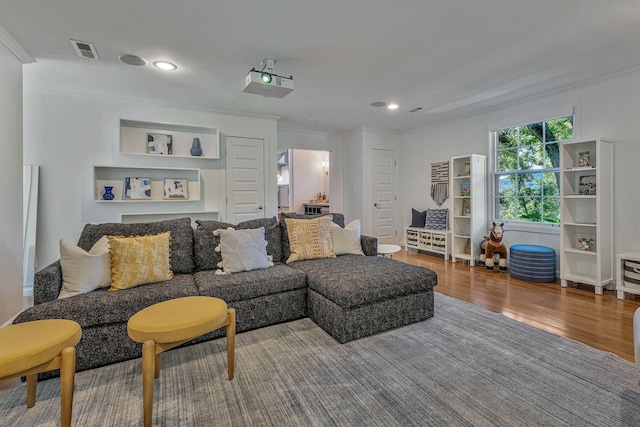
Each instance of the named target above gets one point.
<point>609,109</point>
<point>11,191</point>
<point>67,133</point>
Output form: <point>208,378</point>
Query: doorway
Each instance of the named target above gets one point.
<point>303,181</point>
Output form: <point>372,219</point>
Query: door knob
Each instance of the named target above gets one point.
<point>260,207</point>
<point>375,204</point>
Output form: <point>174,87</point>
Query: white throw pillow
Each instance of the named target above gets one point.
<point>84,271</point>
<point>346,241</point>
<point>243,250</point>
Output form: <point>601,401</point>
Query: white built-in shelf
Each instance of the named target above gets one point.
<point>114,176</point>
<point>133,139</point>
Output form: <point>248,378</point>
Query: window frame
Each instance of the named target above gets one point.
<point>493,193</point>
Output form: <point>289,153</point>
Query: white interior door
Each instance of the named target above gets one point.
<point>245,184</point>
<point>384,196</point>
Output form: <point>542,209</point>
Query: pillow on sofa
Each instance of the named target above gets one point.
<point>436,219</point>
<point>181,238</point>
<point>84,271</point>
<point>346,241</point>
<point>139,260</point>
<point>243,250</point>
<point>418,218</point>
<point>309,238</point>
<point>202,242</point>
<point>338,218</point>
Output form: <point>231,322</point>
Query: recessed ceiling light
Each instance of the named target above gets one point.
<point>164,65</point>
<point>392,106</point>
<point>133,60</point>
<point>378,104</point>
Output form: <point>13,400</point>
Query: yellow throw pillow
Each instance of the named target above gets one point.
<point>309,238</point>
<point>139,260</point>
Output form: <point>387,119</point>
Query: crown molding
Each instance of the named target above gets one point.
<point>14,47</point>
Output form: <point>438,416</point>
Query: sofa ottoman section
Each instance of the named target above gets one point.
<point>351,296</point>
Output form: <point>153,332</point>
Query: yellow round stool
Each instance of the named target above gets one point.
<point>39,346</point>
<point>168,324</point>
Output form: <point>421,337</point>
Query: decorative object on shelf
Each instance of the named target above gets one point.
<point>196,148</point>
<point>467,169</point>
<point>585,242</point>
<point>440,182</point>
<point>159,143</point>
<point>176,188</point>
<point>465,189</point>
<point>587,185</point>
<point>137,188</point>
<point>108,193</point>
<point>584,159</point>
<point>466,207</point>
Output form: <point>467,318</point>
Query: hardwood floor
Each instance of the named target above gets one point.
<point>600,321</point>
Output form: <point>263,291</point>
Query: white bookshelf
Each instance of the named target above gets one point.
<point>468,212</point>
<point>586,202</point>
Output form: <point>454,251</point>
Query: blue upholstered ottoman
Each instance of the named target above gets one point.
<point>532,262</point>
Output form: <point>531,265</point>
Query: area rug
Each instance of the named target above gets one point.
<point>466,366</point>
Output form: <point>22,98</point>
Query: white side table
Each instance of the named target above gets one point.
<point>388,250</point>
<point>620,285</point>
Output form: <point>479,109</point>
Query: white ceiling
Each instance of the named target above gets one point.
<point>450,57</point>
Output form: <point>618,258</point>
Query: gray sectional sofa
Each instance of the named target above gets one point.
<point>349,296</point>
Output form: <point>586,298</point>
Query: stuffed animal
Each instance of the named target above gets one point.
<point>493,247</point>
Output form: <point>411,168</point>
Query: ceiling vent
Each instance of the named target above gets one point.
<point>85,50</point>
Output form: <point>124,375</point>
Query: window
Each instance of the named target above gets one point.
<point>526,172</point>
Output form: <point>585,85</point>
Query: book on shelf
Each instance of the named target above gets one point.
<point>465,189</point>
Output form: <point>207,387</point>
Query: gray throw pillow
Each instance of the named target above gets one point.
<point>243,250</point>
<point>418,218</point>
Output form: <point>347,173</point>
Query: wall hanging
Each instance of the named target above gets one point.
<point>440,182</point>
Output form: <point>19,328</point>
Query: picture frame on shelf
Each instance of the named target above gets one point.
<point>587,185</point>
<point>584,159</point>
<point>467,169</point>
<point>159,143</point>
<point>176,189</point>
<point>465,188</point>
<point>136,188</point>
<point>466,207</point>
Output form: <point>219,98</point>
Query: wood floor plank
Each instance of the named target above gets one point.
<point>600,321</point>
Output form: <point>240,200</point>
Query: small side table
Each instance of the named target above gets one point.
<point>388,250</point>
<point>621,287</point>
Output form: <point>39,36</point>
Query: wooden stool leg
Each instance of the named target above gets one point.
<point>67,379</point>
<point>32,383</point>
<point>148,374</point>
<point>231,340</point>
<point>156,374</point>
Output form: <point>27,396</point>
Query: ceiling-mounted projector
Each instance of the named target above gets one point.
<point>266,82</point>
